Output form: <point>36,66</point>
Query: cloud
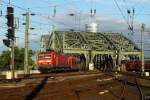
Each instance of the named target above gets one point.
<point>107,23</point>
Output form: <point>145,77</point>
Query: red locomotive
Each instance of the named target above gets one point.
<point>135,65</point>
<point>52,61</point>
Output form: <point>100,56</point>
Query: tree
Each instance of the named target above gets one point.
<point>19,59</point>
<point>4,60</point>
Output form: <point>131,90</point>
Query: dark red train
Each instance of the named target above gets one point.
<point>135,65</point>
<point>52,61</point>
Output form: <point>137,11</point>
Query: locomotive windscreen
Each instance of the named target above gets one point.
<point>44,56</point>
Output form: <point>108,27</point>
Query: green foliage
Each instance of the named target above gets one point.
<point>4,60</point>
<point>19,59</point>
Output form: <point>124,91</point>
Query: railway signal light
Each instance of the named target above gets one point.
<point>10,23</point>
<point>6,42</point>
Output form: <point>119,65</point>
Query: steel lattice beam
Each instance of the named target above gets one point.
<point>92,44</point>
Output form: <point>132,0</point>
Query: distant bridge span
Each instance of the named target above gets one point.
<point>102,49</point>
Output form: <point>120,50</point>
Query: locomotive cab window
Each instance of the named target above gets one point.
<point>44,55</point>
<point>41,56</point>
<point>47,55</point>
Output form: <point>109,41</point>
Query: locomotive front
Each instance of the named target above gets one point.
<point>45,61</point>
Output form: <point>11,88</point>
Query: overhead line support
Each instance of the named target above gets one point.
<point>26,67</point>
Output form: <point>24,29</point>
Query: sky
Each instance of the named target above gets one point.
<point>111,16</point>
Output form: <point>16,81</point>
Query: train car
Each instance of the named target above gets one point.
<point>147,66</point>
<point>52,61</point>
<point>135,65</point>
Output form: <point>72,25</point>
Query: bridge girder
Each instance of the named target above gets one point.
<point>91,44</point>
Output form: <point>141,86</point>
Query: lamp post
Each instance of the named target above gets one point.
<point>26,51</point>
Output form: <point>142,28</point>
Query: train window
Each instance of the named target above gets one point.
<point>41,56</point>
<point>44,55</point>
<point>47,55</point>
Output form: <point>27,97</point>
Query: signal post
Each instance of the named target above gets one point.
<point>9,42</point>
<point>11,35</point>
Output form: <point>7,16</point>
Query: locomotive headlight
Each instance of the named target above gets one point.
<point>41,61</point>
<point>48,61</point>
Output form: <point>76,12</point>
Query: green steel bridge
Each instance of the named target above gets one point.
<point>104,50</point>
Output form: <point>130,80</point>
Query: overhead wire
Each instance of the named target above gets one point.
<point>24,9</point>
<point>120,10</point>
<point>62,22</point>
<point>127,21</point>
<point>64,7</point>
<point>14,5</point>
<point>65,0</point>
<point>137,3</point>
<point>143,7</point>
<point>126,4</point>
<point>128,11</point>
<point>43,16</point>
<point>78,11</point>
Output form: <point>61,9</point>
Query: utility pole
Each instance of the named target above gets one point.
<point>130,22</point>
<point>79,20</point>
<point>26,41</point>
<point>142,48</point>
<point>54,15</point>
<point>26,67</point>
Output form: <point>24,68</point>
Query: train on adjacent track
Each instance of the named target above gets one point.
<point>135,65</point>
<point>54,62</point>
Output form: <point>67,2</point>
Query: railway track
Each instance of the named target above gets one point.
<point>61,74</point>
<point>129,79</point>
<point>134,81</point>
<point>81,85</point>
<point>50,75</point>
